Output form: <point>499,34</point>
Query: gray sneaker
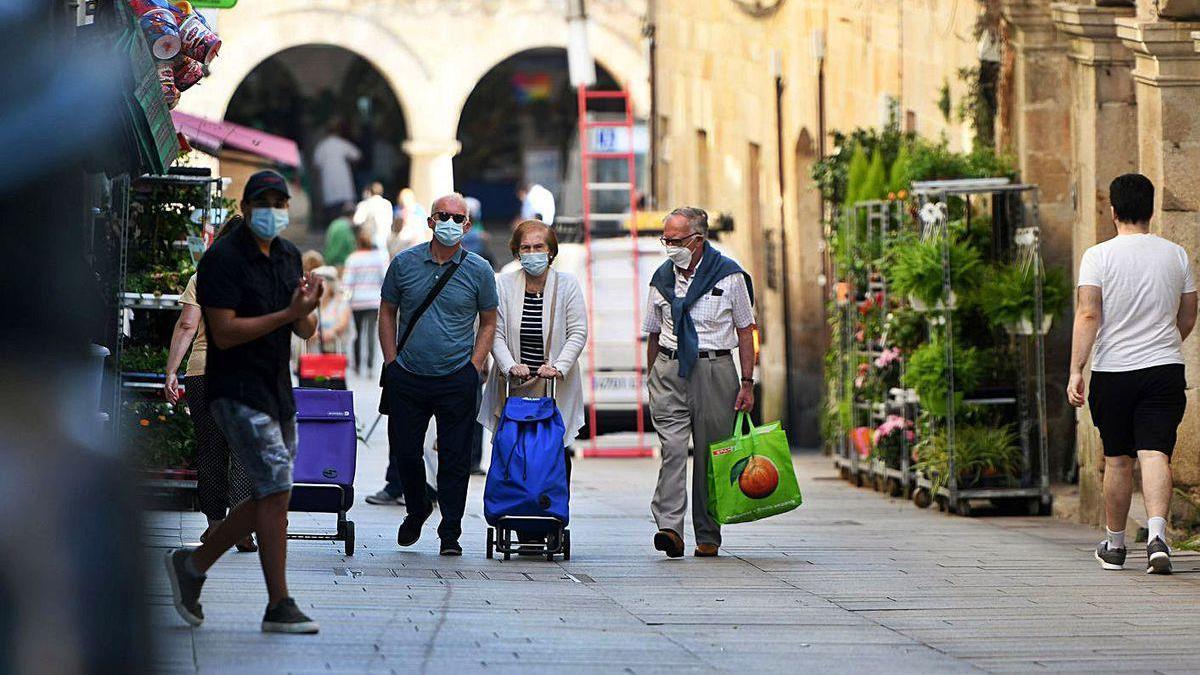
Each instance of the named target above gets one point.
<point>185,587</point>
<point>382,498</point>
<point>1158,557</point>
<point>286,617</point>
<point>1110,558</point>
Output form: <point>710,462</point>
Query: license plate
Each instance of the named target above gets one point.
<point>615,383</point>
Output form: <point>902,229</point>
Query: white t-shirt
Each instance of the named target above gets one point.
<point>376,212</point>
<point>332,158</point>
<point>538,200</point>
<point>1141,277</point>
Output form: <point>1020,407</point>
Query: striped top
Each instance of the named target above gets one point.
<point>531,331</point>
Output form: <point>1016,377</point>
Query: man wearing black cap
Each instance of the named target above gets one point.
<point>254,296</point>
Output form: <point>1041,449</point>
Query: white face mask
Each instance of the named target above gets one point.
<point>680,255</point>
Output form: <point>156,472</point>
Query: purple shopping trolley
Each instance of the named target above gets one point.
<point>327,446</point>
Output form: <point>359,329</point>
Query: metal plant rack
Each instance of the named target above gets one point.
<point>132,384</point>
<point>874,221</point>
<point>1014,208</point>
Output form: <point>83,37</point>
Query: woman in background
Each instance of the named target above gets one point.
<point>221,482</point>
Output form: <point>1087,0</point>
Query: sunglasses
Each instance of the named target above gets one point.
<point>459,218</point>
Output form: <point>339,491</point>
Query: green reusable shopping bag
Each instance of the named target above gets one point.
<point>750,476</point>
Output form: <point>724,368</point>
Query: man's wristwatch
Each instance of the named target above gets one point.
<point>748,380</point>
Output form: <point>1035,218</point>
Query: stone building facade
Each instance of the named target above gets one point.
<point>1088,90</point>
<point>431,52</point>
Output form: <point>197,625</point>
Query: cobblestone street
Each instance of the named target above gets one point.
<point>849,582</point>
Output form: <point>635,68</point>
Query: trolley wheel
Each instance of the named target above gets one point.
<point>857,479</point>
<point>921,498</point>
<point>566,544</point>
<point>942,504</point>
<point>491,543</point>
<point>894,488</point>
<point>349,531</point>
<point>845,472</point>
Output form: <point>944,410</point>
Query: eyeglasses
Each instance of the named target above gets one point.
<point>677,242</point>
<point>459,218</point>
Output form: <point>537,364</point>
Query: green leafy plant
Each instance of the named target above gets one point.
<point>856,176</point>
<point>943,102</point>
<point>875,184</point>
<point>1007,297</point>
<point>905,329</point>
<point>914,267</point>
<point>898,175</point>
<point>929,374</point>
<point>159,434</point>
<point>144,359</point>
<point>979,452</point>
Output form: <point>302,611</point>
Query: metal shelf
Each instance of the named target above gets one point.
<point>150,301</point>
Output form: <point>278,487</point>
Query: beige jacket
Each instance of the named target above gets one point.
<point>566,342</point>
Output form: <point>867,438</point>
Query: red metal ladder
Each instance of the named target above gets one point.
<point>586,155</point>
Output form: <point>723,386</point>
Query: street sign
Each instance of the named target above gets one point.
<point>214,4</point>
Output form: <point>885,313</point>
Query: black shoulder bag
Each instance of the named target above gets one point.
<point>408,330</point>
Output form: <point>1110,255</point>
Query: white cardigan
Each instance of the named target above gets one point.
<point>566,343</point>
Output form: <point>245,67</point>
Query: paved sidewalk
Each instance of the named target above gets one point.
<point>850,582</point>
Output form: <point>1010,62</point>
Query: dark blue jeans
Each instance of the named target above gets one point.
<point>453,400</point>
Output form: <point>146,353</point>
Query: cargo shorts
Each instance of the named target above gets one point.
<point>266,446</point>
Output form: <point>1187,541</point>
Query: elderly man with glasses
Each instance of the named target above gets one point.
<point>699,309</point>
<point>435,359</point>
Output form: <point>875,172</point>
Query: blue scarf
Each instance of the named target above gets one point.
<point>712,269</point>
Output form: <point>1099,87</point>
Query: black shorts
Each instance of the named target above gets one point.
<point>1138,409</point>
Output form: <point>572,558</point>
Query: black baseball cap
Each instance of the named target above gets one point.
<point>265,180</point>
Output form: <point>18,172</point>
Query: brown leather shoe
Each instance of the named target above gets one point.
<point>705,551</point>
<point>669,542</point>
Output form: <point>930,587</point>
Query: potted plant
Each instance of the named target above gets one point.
<point>890,438</point>
<point>1008,298</point>
<point>929,374</point>
<point>159,434</point>
<point>984,456</point>
<point>914,269</point>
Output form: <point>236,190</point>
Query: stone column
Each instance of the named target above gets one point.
<point>1167,76</point>
<point>1039,114</point>
<point>1104,145</point>
<point>432,169</point>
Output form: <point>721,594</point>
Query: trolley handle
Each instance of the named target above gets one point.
<point>551,387</point>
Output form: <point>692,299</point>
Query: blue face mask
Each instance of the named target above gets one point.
<point>447,232</point>
<point>268,223</point>
<point>535,263</point>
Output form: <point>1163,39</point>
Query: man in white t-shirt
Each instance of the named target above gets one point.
<point>1136,306</point>
<point>537,203</point>
<point>375,214</point>
<point>333,157</point>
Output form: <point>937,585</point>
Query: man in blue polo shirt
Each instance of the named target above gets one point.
<point>439,368</point>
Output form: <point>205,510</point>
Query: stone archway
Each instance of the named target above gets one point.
<point>407,43</point>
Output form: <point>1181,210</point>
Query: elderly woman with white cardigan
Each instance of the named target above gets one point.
<point>541,329</point>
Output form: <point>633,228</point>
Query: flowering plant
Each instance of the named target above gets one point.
<point>888,358</point>
<point>889,439</point>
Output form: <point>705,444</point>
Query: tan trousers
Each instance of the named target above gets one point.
<point>699,409</point>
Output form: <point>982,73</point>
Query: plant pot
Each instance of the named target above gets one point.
<point>1025,326</point>
<point>919,305</point>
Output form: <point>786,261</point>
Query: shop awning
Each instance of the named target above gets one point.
<point>211,136</point>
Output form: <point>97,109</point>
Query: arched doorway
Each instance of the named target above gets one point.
<point>297,92</point>
<point>519,124</point>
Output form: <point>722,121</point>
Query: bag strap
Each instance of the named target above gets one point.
<point>433,293</point>
<point>741,418</point>
<point>550,329</point>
